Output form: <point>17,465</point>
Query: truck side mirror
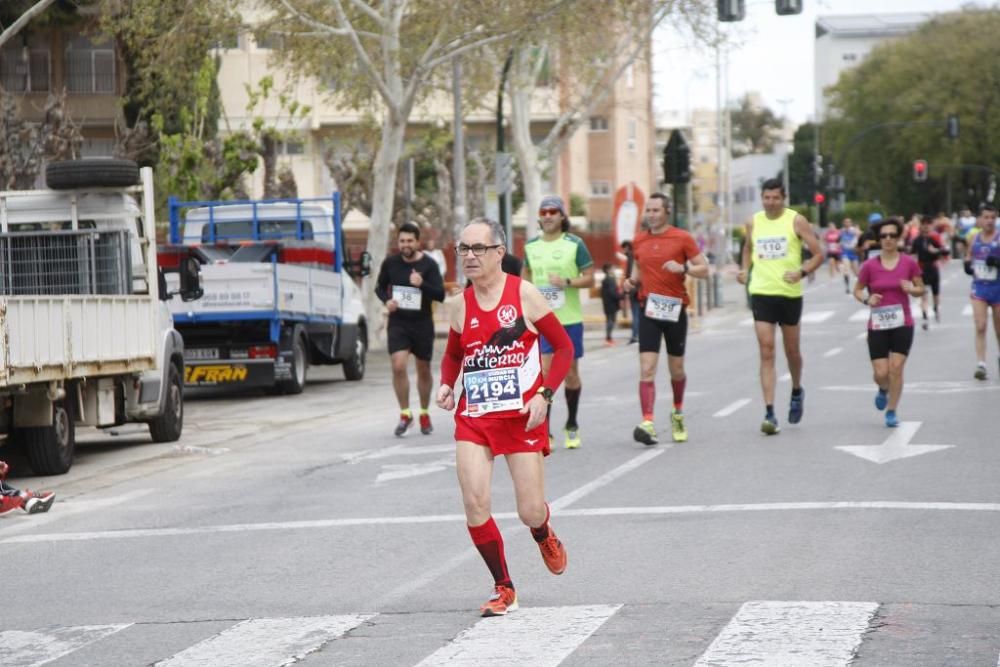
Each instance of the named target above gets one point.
<point>161,278</point>
<point>190,274</point>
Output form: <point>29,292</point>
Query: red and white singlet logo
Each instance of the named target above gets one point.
<point>507,315</point>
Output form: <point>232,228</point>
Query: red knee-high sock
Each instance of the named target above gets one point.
<point>542,531</point>
<point>488,540</point>
<point>678,387</point>
<point>647,399</point>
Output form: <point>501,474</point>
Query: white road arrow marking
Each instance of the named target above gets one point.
<point>395,471</point>
<point>896,446</point>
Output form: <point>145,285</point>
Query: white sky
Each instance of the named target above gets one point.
<point>684,76</point>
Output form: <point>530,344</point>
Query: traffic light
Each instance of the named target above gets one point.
<point>952,126</point>
<point>676,160</point>
<point>819,199</point>
<point>788,7</point>
<point>919,171</point>
<point>732,10</point>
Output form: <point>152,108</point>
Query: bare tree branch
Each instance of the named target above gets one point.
<point>369,11</point>
<point>23,20</point>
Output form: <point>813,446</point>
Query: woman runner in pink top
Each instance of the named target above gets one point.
<point>891,279</point>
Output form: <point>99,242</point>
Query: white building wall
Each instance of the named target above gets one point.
<point>748,173</point>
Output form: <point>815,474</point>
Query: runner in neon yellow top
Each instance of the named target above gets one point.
<point>559,264</point>
<point>774,252</point>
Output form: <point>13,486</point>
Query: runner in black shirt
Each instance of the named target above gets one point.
<point>928,250</point>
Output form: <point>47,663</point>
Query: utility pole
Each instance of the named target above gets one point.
<point>458,160</point>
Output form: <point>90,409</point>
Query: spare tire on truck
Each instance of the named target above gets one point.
<point>91,173</point>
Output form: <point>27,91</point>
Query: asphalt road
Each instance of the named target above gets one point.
<point>284,529</point>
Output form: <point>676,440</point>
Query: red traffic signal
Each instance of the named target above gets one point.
<point>920,170</point>
<point>819,198</point>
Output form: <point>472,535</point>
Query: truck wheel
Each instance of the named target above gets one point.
<point>300,362</point>
<point>354,365</point>
<point>93,172</point>
<point>168,426</point>
<point>50,448</point>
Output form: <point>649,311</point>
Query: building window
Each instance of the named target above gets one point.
<point>633,130</point>
<point>231,42</point>
<point>24,70</point>
<point>97,148</point>
<point>630,76</point>
<point>598,124</point>
<point>90,67</point>
<point>850,57</point>
<point>293,146</point>
<point>600,189</point>
<point>268,41</point>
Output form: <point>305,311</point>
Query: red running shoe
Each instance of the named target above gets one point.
<point>36,502</point>
<point>405,422</point>
<point>504,599</point>
<point>553,553</point>
<point>425,425</point>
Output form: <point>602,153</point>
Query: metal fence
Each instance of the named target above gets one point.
<point>65,262</point>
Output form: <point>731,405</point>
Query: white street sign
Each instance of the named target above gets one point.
<point>896,446</point>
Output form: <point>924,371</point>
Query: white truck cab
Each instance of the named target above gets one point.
<point>279,293</point>
<point>87,338</point>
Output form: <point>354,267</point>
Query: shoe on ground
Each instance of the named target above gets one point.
<point>404,424</point>
<point>504,599</point>
<point>633,341</point>
<point>10,503</point>
<point>980,372</point>
<point>770,425</point>
<point>609,343</point>
<point>796,406</point>
<point>425,425</point>
<point>553,553</point>
<point>881,400</point>
<point>890,419</point>
<point>925,326</point>
<point>677,428</point>
<point>572,438</point>
<point>37,502</point>
<point>645,433</point>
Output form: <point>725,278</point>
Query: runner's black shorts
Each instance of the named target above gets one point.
<point>784,310</point>
<point>932,278</point>
<point>881,343</point>
<point>417,336</point>
<point>651,332</point>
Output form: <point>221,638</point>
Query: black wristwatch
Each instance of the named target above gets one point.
<point>546,393</point>
<point>803,273</point>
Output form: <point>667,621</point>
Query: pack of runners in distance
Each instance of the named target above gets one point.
<point>514,339</point>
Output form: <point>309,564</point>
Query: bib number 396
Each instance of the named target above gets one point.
<point>663,308</point>
<point>888,317</point>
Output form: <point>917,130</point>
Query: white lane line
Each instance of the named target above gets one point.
<point>745,322</point>
<point>540,636</point>
<point>860,316</point>
<point>75,505</point>
<point>29,649</point>
<point>785,378</point>
<point>967,311</point>
<point>832,353</point>
<point>427,577</point>
<point>818,634</point>
<point>43,538</point>
<point>266,642</point>
<point>605,479</point>
<point>732,407</point>
<point>861,336</point>
<point>817,316</point>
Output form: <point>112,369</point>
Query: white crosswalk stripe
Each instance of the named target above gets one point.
<point>266,642</point>
<point>779,634</point>
<point>30,649</point>
<point>773,633</point>
<point>541,637</point>
<point>817,316</point>
<point>860,315</point>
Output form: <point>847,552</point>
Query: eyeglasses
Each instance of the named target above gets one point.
<point>888,236</point>
<point>549,211</point>
<point>478,250</point>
